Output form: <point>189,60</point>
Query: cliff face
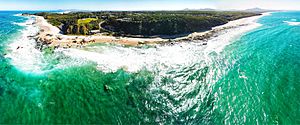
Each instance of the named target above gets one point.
<point>173,25</point>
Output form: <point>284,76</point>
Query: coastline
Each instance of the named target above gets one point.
<point>244,75</point>
<point>31,44</point>
<point>166,56</point>
<point>50,35</point>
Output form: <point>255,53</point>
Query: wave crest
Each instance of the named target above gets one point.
<point>291,23</point>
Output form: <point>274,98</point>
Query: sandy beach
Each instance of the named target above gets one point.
<point>51,35</point>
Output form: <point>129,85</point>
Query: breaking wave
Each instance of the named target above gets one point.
<point>292,23</point>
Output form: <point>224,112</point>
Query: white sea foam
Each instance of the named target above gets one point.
<point>183,59</point>
<point>24,55</point>
<point>291,23</point>
<point>22,50</point>
<point>30,21</point>
<point>111,58</point>
<point>19,14</point>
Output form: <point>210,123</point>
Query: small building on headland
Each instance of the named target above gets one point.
<point>95,31</point>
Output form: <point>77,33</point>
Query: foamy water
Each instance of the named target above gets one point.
<point>179,62</point>
<point>252,80</point>
<point>292,23</point>
<point>28,23</point>
<point>111,58</point>
<point>23,53</point>
<point>19,14</point>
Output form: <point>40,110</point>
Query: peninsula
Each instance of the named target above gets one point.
<point>132,28</point>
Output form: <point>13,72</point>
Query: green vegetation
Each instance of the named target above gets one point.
<point>74,23</point>
<point>86,20</point>
<point>142,23</point>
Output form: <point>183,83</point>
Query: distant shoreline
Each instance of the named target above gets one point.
<point>50,35</point>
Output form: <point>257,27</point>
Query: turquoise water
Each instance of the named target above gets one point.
<point>253,80</point>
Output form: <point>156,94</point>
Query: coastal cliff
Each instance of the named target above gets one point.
<point>53,36</point>
<point>166,24</point>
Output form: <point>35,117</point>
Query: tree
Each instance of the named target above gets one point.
<point>70,30</point>
<point>75,29</point>
<point>83,30</point>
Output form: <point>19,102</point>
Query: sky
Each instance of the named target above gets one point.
<point>146,4</point>
<point>265,4</point>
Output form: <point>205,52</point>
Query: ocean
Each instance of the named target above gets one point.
<point>241,77</point>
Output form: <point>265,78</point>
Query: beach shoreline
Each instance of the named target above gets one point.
<point>50,35</point>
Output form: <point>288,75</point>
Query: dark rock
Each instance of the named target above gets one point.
<point>106,88</point>
<point>59,38</point>
<point>49,35</point>
<point>56,47</point>
<point>141,42</point>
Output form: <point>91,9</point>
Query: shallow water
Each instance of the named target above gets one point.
<point>235,79</point>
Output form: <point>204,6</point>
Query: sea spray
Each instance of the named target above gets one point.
<point>27,55</point>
